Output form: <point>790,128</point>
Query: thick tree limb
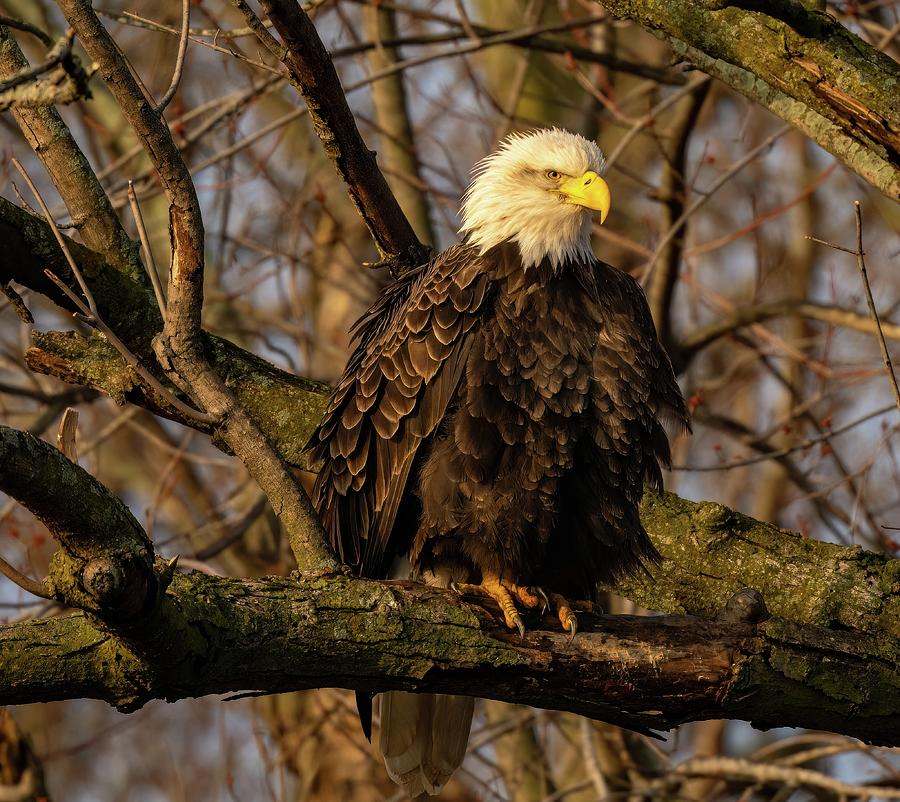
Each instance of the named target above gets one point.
<point>278,634</point>
<point>802,65</point>
<point>105,563</point>
<point>212,635</point>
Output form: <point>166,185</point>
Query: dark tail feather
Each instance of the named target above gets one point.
<point>364,708</point>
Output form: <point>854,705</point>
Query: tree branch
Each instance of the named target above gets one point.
<point>105,563</point>
<point>87,203</point>
<point>314,76</point>
<point>698,577</point>
<point>704,336</point>
<point>802,65</point>
<point>260,388</point>
<point>179,348</point>
<point>212,635</point>
<point>278,635</point>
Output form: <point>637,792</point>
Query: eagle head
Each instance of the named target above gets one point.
<point>538,190</point>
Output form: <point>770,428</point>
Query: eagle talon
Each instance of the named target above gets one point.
<point>563,610</point>
<point>504,593</point>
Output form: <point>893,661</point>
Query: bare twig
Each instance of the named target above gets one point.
<point>651,116</point>
<point>736,768</point>
<point>673,195</point>
<point>732,171</point>
<point>56,55</point>
<point>758,313</point>
<point>92,306</point>
<point>882,344</point>
<point>260,29</point>
<point>27,584</point>
<point>179,59</point>
<point>149,261</point>
<point>806,443</point>
<point>21,25</point>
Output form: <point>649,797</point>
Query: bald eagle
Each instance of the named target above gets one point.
<point>498,419</point>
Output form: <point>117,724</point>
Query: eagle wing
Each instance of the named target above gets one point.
<point>633,393</point>
<point>409,358</point>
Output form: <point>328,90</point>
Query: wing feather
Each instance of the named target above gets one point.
<point>409,358</point>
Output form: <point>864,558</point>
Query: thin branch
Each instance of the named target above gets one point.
<point>27,584</point>
<point>260,29</point>
<point>149,261</point>
<point>732,171</point>
<point>313,74</point>
<point>861,264</point>
<point>179,60</point>
<point>733,769</point>
<point>92,306</point>
<point>651,116</point>
<point>742,316</point>
<point>21,25</point>
<point>673,194</point>
<point>801,446</point>
<point>529,38</point>
<point>188,412</point>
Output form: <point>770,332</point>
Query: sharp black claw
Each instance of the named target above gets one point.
<point>545,601</point>
<point>571,627</point>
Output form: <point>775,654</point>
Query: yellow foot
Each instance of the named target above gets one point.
<point>530,597</point>
<point>503,592</point>
<point>563,610</point>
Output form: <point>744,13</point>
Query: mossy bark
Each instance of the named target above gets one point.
<point>801,64</point>
<point>712,551</point>
<point>217,635</point>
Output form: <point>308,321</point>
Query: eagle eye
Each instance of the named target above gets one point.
<point>554,175</point>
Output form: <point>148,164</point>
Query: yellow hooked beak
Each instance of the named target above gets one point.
<point>590,191</point>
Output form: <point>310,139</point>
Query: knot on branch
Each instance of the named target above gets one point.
<point>117,588</point>
<point>747,606</point>
<point>104,579</point>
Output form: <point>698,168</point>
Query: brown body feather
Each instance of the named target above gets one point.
<point>500,420</point>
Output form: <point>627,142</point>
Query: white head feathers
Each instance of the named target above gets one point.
<point>512,197</point>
